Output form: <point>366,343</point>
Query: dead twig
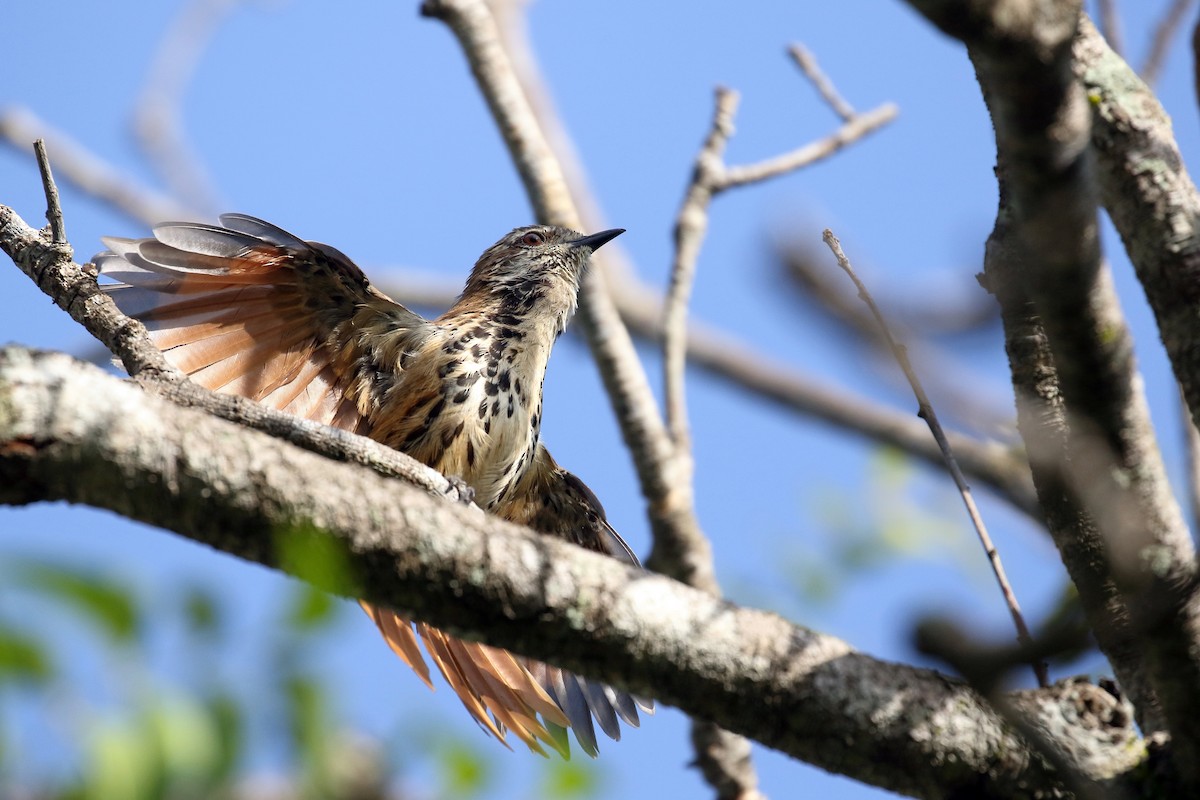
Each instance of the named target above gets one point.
<point>927,413</point>
<point>54,214</point>
<point>807,63</point>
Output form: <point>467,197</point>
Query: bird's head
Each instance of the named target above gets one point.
<point>534,271</point>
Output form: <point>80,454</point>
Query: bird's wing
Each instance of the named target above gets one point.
<point>555,502</point>
<point>249,309</point>
<point>515,689</point>
<point>252,310</point>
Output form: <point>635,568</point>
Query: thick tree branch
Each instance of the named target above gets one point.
<point>1150,198</point>
<point>1051,279</point>
<point>70,432</point>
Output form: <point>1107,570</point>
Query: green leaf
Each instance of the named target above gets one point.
<point>310,610</point>
<point>464,772</point>
<point>202,612</point>
<point>23,659</point>
<point>314,557</point>
<point>226,716</point>
<point>187,739</point>
<point>310,729</point>
<point>122,761</point>
<point>569,780</point>
<point>107,604</point>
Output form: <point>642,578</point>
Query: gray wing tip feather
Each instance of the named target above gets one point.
<point>209,240</point>
<point>566,692</point>
<point>261,229</point>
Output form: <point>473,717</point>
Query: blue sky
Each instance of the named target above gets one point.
<point>357,124</point>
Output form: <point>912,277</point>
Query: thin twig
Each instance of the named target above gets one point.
<point>850,132</point>
<point>1164,35</point>
<point>807,63</point>
<point>927,413</point>
<point>1110,24</point>
<point>690,226</point>
<point>965,400</point>
<point>54,214</point>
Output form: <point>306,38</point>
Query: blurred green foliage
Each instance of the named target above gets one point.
<point>894,516</point>
<point>167,737</point>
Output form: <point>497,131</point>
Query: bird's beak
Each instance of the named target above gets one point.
<point>596,240</point>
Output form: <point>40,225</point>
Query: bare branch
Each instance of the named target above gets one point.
<point>724,760</point>
<point>70,432</point>
<point>807,63</point>
<point>931,313</point>
<point>1151,198</point>
<point>1047,227</point>
<point>54,213</point>
<point>1164,34</point>
<point>91,174</point>
<point>691,224</point>
<point>999,466</point>
<point>1196,61</point>
<point>927,412</point>
<point>858,127</point>
<point>1191,440</point>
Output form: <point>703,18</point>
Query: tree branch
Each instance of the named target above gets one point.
<point>1150,197</point>
<point>70,432</point>
<point>1051,279</point>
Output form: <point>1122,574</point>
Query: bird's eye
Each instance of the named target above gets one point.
<point>533,238</point>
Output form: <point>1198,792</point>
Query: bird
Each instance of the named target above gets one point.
<point>246,308</point>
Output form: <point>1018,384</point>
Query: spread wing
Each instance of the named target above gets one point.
<point>250,309</point>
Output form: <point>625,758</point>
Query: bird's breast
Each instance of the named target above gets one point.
<point>475,415</point>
